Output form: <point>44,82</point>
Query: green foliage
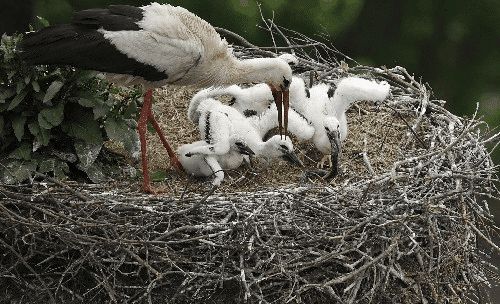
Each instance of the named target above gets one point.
<point>53,119</point>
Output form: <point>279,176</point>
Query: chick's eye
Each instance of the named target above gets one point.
<point>330,92</point>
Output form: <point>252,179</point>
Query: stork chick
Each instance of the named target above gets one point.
<point>337,102</point>
<point>212,164</point>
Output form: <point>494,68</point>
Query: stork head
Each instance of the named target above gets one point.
<point>332,128</point>
<point>278,146</point>
<point>277,74</point>
<point>289,58</point>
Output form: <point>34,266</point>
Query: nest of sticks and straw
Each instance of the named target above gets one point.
<point>406,220</point>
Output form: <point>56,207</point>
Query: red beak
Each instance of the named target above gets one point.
<point>281,99</point>
<point>286,100</point>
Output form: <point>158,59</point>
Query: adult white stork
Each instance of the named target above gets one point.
<point>153,45</point>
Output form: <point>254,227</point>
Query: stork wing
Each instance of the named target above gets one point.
<point>174,57</point>
<point>167,40</point>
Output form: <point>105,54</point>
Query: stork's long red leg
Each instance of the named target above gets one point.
<point>141,127</point>
<point>174,161</point>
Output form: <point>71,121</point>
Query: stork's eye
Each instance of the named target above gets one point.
<point>239,144</point>
<point>284,147</point>
<point>286,82</point>
<point>232,101</point>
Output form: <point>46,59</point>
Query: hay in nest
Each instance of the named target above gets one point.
<point>406,221</point>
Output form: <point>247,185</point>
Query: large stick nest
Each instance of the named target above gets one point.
<point>406,221</point>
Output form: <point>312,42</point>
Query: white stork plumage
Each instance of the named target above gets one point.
<point>350,90</point>
<point>153,45</point>
<point>332,105</point>
<point>316,114</point>
<point>218,123</point>
<point>212,164</point>
<point>227,137</point>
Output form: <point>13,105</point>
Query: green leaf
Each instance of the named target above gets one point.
<point>86,102</point>
<point>20,86</point>
<point>6,94</point>
<point>100,110</point>
<point>11,74</point>
<point>17,100</point>
<point>39,95</point>
<point>119,130</point>
<point>35,86</point>
<point>17,171</point>
<point>150,128</point>
<point>94,172</point>
<point>59,168</point>
<point>46,165</point>
<point>23,152</point>
<point>53,89</point>
<point>43,21</point>
<point>18,126</point>
<point>51,117</point>
<point>80,124</point>
<point>158,176</point>
<point>131,110</point>
<point>42,135</point>
<point>87,153</point>
<point>85,75</point>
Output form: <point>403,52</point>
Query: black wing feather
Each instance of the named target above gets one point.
<point>113,18</point>
<point>79,44</point>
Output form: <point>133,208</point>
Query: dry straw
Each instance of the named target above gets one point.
<point>406,221</point>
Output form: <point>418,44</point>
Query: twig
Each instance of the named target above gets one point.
<point>197,204</point>
<point>66,187</point>
<point>366,159</point>
<point>420,141</point>
<point>362,268</point>
<point>245,42</point>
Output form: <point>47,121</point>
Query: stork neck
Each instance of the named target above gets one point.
<point>254,70</point>
<point>257,145</point>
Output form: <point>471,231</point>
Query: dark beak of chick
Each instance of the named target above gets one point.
<point>292,158</point>
<point>244,149</point>
<point>334,137</point>
<point>281,99</point>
